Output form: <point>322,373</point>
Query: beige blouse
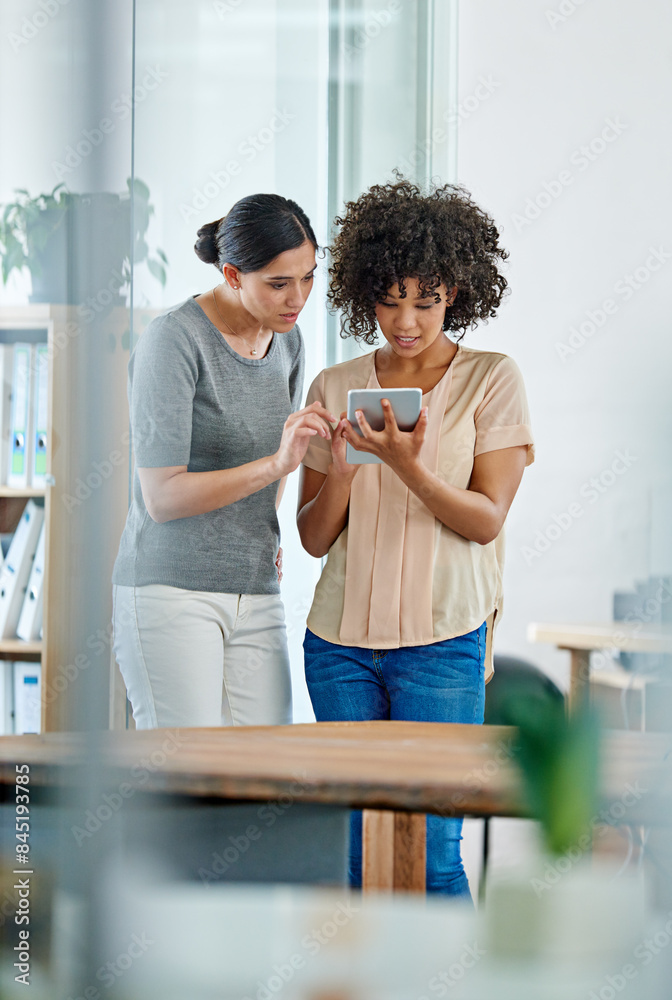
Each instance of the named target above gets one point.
<point>396,575</point>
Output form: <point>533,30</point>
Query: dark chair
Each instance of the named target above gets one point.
<point>512,676</point>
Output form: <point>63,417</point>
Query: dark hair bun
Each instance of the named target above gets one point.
<point>206,244</point>
<point>255,231</point>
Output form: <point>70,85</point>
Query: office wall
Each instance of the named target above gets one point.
<point>564,138</point>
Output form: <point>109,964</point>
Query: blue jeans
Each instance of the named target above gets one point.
<point>440,682</point>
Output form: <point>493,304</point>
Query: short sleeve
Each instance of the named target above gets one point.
<point>163,376</point>
<point>296,376</point>
<point>318,455</point>
<point>502,417</point>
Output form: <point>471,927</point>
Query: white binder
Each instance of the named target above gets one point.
<point>27,697</point>
<point>6,370</point>
<point>20,438</point>
<point>17,566</point>
<point>6,697</point>
<point>30,619</point>
<point>39,390</point>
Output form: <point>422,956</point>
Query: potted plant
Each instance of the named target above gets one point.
<point>78,245</point>
<point>563,904</point>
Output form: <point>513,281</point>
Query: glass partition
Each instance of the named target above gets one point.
<point>312,99</point>
<point>392,84</point>
<point>125,125</point>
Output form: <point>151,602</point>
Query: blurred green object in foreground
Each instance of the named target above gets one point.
<point>559,757</point>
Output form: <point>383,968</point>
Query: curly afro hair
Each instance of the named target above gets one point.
<point>394,232</point>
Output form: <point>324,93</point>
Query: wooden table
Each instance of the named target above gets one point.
<point>581,640</point>
<point>395,771</point>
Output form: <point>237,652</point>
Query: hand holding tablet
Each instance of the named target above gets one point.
<point>406,405</point>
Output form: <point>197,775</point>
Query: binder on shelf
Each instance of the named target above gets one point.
<point>6,370</point>
<point>20,437</point>
<point>27,697</point>
<point>30,619</point>
<point>39,390</point>
<point>16,569</point>
<point>6,697</point>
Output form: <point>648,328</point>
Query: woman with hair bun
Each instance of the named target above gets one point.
<point>214,389</point>
<point>402,619</point>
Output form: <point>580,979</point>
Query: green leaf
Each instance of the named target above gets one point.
<point>157,270</point>
<point>140,218</point>
<point>138,188</point>
<point>559,759</point>
<point>161,255</point>
<point>13,258</point>
<point>33,211</point>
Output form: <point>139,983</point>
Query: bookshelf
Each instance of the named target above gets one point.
<point>20,649</point>
<point>69,646</point>
<point>10,491</point>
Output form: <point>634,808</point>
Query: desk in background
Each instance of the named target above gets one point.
<point>581,640</point>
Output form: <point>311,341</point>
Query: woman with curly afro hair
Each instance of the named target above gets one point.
<point>402,619</point>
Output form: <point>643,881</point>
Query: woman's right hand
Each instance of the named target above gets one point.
<point>297,432</point>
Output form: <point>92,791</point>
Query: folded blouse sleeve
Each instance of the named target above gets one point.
<point>502,417</point>
<point>318,455</point>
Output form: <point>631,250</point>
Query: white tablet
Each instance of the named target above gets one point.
<point>406,406</point>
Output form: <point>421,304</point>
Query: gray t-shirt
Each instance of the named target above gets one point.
<point>195,402</point>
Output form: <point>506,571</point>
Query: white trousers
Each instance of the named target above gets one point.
<point>193,658</point>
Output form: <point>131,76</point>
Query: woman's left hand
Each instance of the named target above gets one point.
<point>278,564</point>
<point>396,448</point>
